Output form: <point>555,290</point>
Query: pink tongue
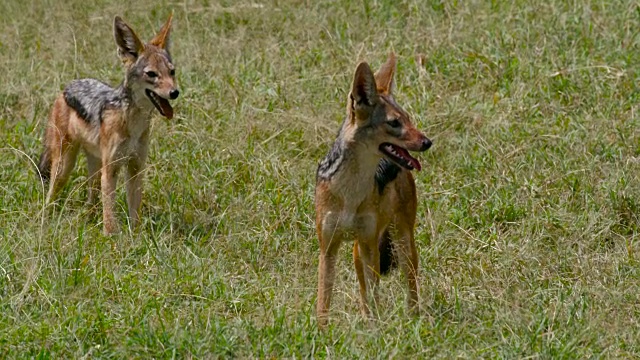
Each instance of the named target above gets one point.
<point>166,107</point>
<point>415,163</point>
<point>405,154</point>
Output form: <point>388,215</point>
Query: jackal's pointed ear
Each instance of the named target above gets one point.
<point>384,76</point>
<point>161,39</point>
<point>363,89</point>
<point>129,45</point>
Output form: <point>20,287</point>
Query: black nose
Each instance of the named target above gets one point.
<point>426,144</point>
<point>174,94</point>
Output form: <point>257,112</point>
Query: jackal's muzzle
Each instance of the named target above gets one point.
<point>401,156</point>
<point>162,104</point>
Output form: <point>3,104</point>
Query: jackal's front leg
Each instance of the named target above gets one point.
<point>366,258</point>
<point>108,184</point>
<point>329,245</point>
<point>134,190</point>
<point>135,168</point>
<point>408,258</point>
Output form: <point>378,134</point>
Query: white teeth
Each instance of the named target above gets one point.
<point>391,150</point>
<point>400,157</point>
<point>152,97</point>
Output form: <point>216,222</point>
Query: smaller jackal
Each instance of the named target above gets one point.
<point>365,191</point>
<point>110,125</point>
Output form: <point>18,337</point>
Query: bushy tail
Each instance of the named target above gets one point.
<point>388,259</point>
<point>44,166</point>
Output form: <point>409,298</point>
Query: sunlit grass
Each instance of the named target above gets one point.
<point>528,201</point>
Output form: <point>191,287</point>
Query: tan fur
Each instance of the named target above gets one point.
<point>349,205</point>
<point>122,137</point>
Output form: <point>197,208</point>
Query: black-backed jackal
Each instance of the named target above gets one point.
<point>111,125</point>
<point>365,190</point>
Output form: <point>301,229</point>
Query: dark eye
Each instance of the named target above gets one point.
<point>152,74</point>
<point>395,123</point>
<point>172,72</point>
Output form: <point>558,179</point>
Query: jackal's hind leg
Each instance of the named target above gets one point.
<point>62,163</point>
<point>93,179</point>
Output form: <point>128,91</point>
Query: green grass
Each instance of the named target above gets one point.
<point>528,202</point>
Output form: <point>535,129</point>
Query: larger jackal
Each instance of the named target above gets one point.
<point>365,190</point>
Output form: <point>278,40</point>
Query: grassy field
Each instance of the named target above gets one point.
<point>528,201</point>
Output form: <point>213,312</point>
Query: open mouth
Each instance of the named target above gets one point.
<point>162,104</point>
<point>400,156</point>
